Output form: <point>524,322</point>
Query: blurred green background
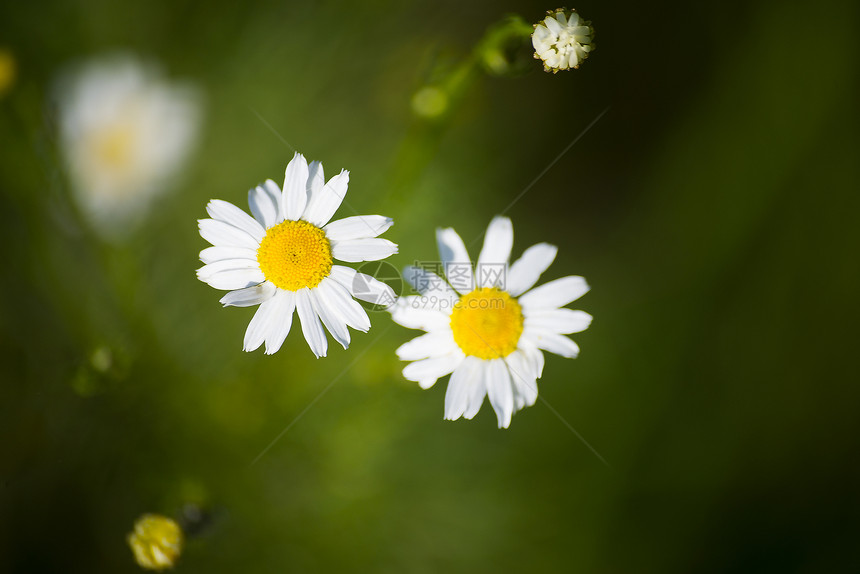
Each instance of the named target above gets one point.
<point>713,209</point>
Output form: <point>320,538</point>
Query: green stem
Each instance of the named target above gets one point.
<point>435,104</point>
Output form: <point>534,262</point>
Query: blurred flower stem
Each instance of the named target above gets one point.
<point>504,50</point>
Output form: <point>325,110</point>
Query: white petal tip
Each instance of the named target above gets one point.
<point>319,355</point>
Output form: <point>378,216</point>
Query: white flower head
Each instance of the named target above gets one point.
<point>562,40</point>
<point>282,258</point>
<point>124,133</point>
<point>485,325</point>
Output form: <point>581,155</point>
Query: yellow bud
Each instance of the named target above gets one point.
<point>430,102</point>
<point>156,542</point>
<point>7,70</point>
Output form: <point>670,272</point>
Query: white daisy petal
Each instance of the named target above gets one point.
<point>563,321</point>
<point>523,379</point>
<point>362,286</point>
<point>432,344</point>
<point>223,234</point>
<point>357,227</point>
<point>281,320</point>
<point>322,205</point>
<point>534,357</point>
<point>316,179</point>
<point>477,390</point>
<point>526,270</point>
<point>229,213</point>
<point>330,318</point>
<point>355,250</point>
<point>455,260</point>
<point>260,325</point>
<point>466,390</point>
<point>555,293</point>
<point>498,242</point>
<point>213,254</point>
<point>552,342</point>
<point>249,296</point>
<point>553,25</point>
<point>456,395</point>
<point>500,391</point>
<point>427,371</point>
<point>265,203</point>
<point>274,191</point>
<point>411,312</point>
<point>337,295</point>
<point>231,279</point>
<point>207,271</point>
<point>311,326</point>
<point>541,36</point>
<point>295,196</point>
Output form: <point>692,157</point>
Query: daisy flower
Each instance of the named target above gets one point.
<point>562,40</point>
<point>124,132</point>
<point>487,326</point>
<point>282,258</point>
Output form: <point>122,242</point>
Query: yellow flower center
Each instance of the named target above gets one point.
<point>115,146</point>
<point>487,323</point>
<point>295,254</point>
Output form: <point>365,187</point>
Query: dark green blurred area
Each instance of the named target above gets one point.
<point>713,209</point>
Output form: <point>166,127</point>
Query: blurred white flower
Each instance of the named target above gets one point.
<point>124,133</point>
<point>562,40</point>
<point>282,259</point>
<point>486,325</point>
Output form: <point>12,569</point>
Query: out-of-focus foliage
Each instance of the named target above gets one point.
<point>713,210</point>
